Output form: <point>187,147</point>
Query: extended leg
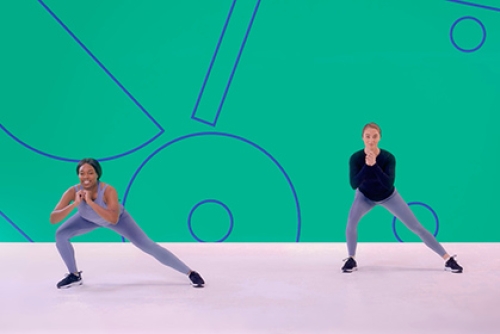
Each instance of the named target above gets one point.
<point>398,207</point>
<point>129,229</point>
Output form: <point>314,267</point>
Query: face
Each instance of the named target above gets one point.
<point>371,138</point>
<point>88,176</point>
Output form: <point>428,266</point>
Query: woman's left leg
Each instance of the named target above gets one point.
<point>129,229</point>
<point>398,207</point>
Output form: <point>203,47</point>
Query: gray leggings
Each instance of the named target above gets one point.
<point>126,227</point>
<point>398,207</point>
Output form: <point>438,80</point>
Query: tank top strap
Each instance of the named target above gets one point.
<point>103,188</point>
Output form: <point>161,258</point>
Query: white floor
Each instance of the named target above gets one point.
<point>252,288</point>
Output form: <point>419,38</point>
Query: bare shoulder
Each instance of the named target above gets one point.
<point>71,190</point>
<point>106,185</point>
<point>108,188</point>
<point>110,196</point>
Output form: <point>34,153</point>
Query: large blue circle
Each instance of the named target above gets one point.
<point>231,220</point>
<point>436,230</point>
<point>480,43</point>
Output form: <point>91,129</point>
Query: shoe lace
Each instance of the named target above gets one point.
<point>452,262</point>
<point>72,274</point>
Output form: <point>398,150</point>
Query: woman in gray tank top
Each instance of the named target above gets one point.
<point>98,206</point>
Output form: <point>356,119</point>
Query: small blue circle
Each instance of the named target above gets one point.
<point>231,220</point>
<point>425,206</point>
<point>482,28</point>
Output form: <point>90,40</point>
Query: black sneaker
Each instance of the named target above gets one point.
<point>196,280</point>
<point>350,265</point>
<point>70,280</point>
<point>453,266</point>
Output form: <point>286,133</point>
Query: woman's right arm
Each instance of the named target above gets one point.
<point>356,173</point>
<point>64,207</point>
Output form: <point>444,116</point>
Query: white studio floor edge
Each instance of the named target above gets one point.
<point>252,288</point>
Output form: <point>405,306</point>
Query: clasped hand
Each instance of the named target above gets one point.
<point>370,158</point>
<point>83,195</point>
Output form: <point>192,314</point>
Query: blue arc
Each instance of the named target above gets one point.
<point>222,134</point>
<point>114,79</point>
<point>48,155</point>
<point>436,230</point>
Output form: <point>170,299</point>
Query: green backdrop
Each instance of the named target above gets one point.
<point>234,120</point>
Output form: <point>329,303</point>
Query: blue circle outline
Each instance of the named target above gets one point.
<point>436,230</point>
<point>231,219</point>
<point>482,28</point>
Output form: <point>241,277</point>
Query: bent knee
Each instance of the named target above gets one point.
<point>64,233</point>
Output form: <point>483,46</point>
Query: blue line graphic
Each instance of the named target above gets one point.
<point>233,71</point>
<point>212,61</point>
<point>77,159</point>
<point>472,4</point>
<point>231,219</point>
<point>237,61</point>
<point>99,63</point>
<point>222,134</point>
<point>16,227</point>
<point>115,80</point>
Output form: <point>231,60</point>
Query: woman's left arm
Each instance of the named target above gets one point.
<point>112,213</point>
<point>386,175</point>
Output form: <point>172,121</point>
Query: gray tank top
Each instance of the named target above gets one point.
<point>88,213</point>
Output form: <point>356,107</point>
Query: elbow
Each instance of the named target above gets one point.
<point>53,219</point>
<point>112,217</point>
<point>115,220</point>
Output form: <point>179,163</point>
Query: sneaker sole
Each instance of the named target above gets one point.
<point>197,285</point>
<point>454,271</point>
<point>349,270</point>
<point>70,285</point>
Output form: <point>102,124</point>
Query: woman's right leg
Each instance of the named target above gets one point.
<point>359,208</point>
<point>75,225</point>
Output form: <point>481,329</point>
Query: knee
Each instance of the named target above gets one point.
<point>351,229</point>
<point>62,234</point>
<point>352,224</point>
